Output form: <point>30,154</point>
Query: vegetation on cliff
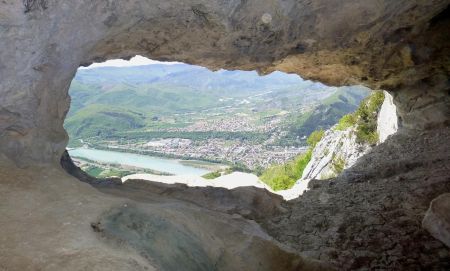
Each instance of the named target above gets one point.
<point>364,119</point>
<point>281,177</point>
<point>364,122</point>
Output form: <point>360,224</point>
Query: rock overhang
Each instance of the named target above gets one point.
<point>400,46</point>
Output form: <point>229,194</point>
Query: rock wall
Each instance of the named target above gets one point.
<point>437,218</point>
<point>337,150</point>
<point>370,217</point>
<point>401,46</point>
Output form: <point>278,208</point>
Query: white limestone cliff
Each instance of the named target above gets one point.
<point>339,150</point>
<point>387,123</point>
<point>336,151</point>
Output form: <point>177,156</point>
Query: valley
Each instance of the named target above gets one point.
<point>246,121</point>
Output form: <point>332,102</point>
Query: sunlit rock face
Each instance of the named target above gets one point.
<point>337,150</point>
<point>401,46</point>
<point>387,122</point>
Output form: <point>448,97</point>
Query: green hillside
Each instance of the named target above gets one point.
<point>344,101</point>
<point>101,120</point>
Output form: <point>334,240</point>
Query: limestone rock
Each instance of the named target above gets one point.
<point>369,217</point>
<point>337,150</point>
<point>64,224</point>
<point>437,218</point>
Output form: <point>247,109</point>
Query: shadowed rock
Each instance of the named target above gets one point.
<point>437,218</point>
<point>250,202</point>
<point>196,241</point>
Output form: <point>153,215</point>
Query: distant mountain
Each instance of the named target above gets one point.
<point>345,100</point>
<point>193,77</point>
<point>171,88</point>
<point>154,97</point>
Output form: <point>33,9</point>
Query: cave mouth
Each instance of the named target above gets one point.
<point>160,121</point>
<point>369,219</point>
<point>407,58</point>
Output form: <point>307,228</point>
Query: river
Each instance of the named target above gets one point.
<point>172,166</point>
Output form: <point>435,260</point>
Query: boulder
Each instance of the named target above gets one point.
<point>437,219</point>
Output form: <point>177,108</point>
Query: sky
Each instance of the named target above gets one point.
<point>135,61</point>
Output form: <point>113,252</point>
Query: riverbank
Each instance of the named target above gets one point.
<point>152,153</point>
<point>138,161</point>
<point>106,170</point>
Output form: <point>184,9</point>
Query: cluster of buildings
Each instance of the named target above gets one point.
<point>247,153</point>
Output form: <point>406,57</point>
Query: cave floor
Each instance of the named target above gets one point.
<point>369,217</point>
<point>52,221</point>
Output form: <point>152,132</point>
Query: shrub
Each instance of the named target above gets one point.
<point>301,162</point>
<point>338,164</point>
<point>281,177</point>
<point>367,113</point>
<point>346,122</point>
<point>365,119</point>
<point>238,166</point>
<point>315,137</point>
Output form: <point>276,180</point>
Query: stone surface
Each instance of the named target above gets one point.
<point>400,46</point>
<point>387,122</point>
<point>250,202</point>
<point>334,148</point>
<point>60,223</point>
<point>437,218</point>
<point>370,217</point>
<point>339,150</point>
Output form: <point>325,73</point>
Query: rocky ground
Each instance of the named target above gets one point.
<point>370,217</point>
<point>51,221</point>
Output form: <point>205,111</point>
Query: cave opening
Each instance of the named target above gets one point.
<point>388,211</point>
<point>174,122</point>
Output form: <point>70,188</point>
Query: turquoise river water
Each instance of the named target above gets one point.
<point>172,166</point>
